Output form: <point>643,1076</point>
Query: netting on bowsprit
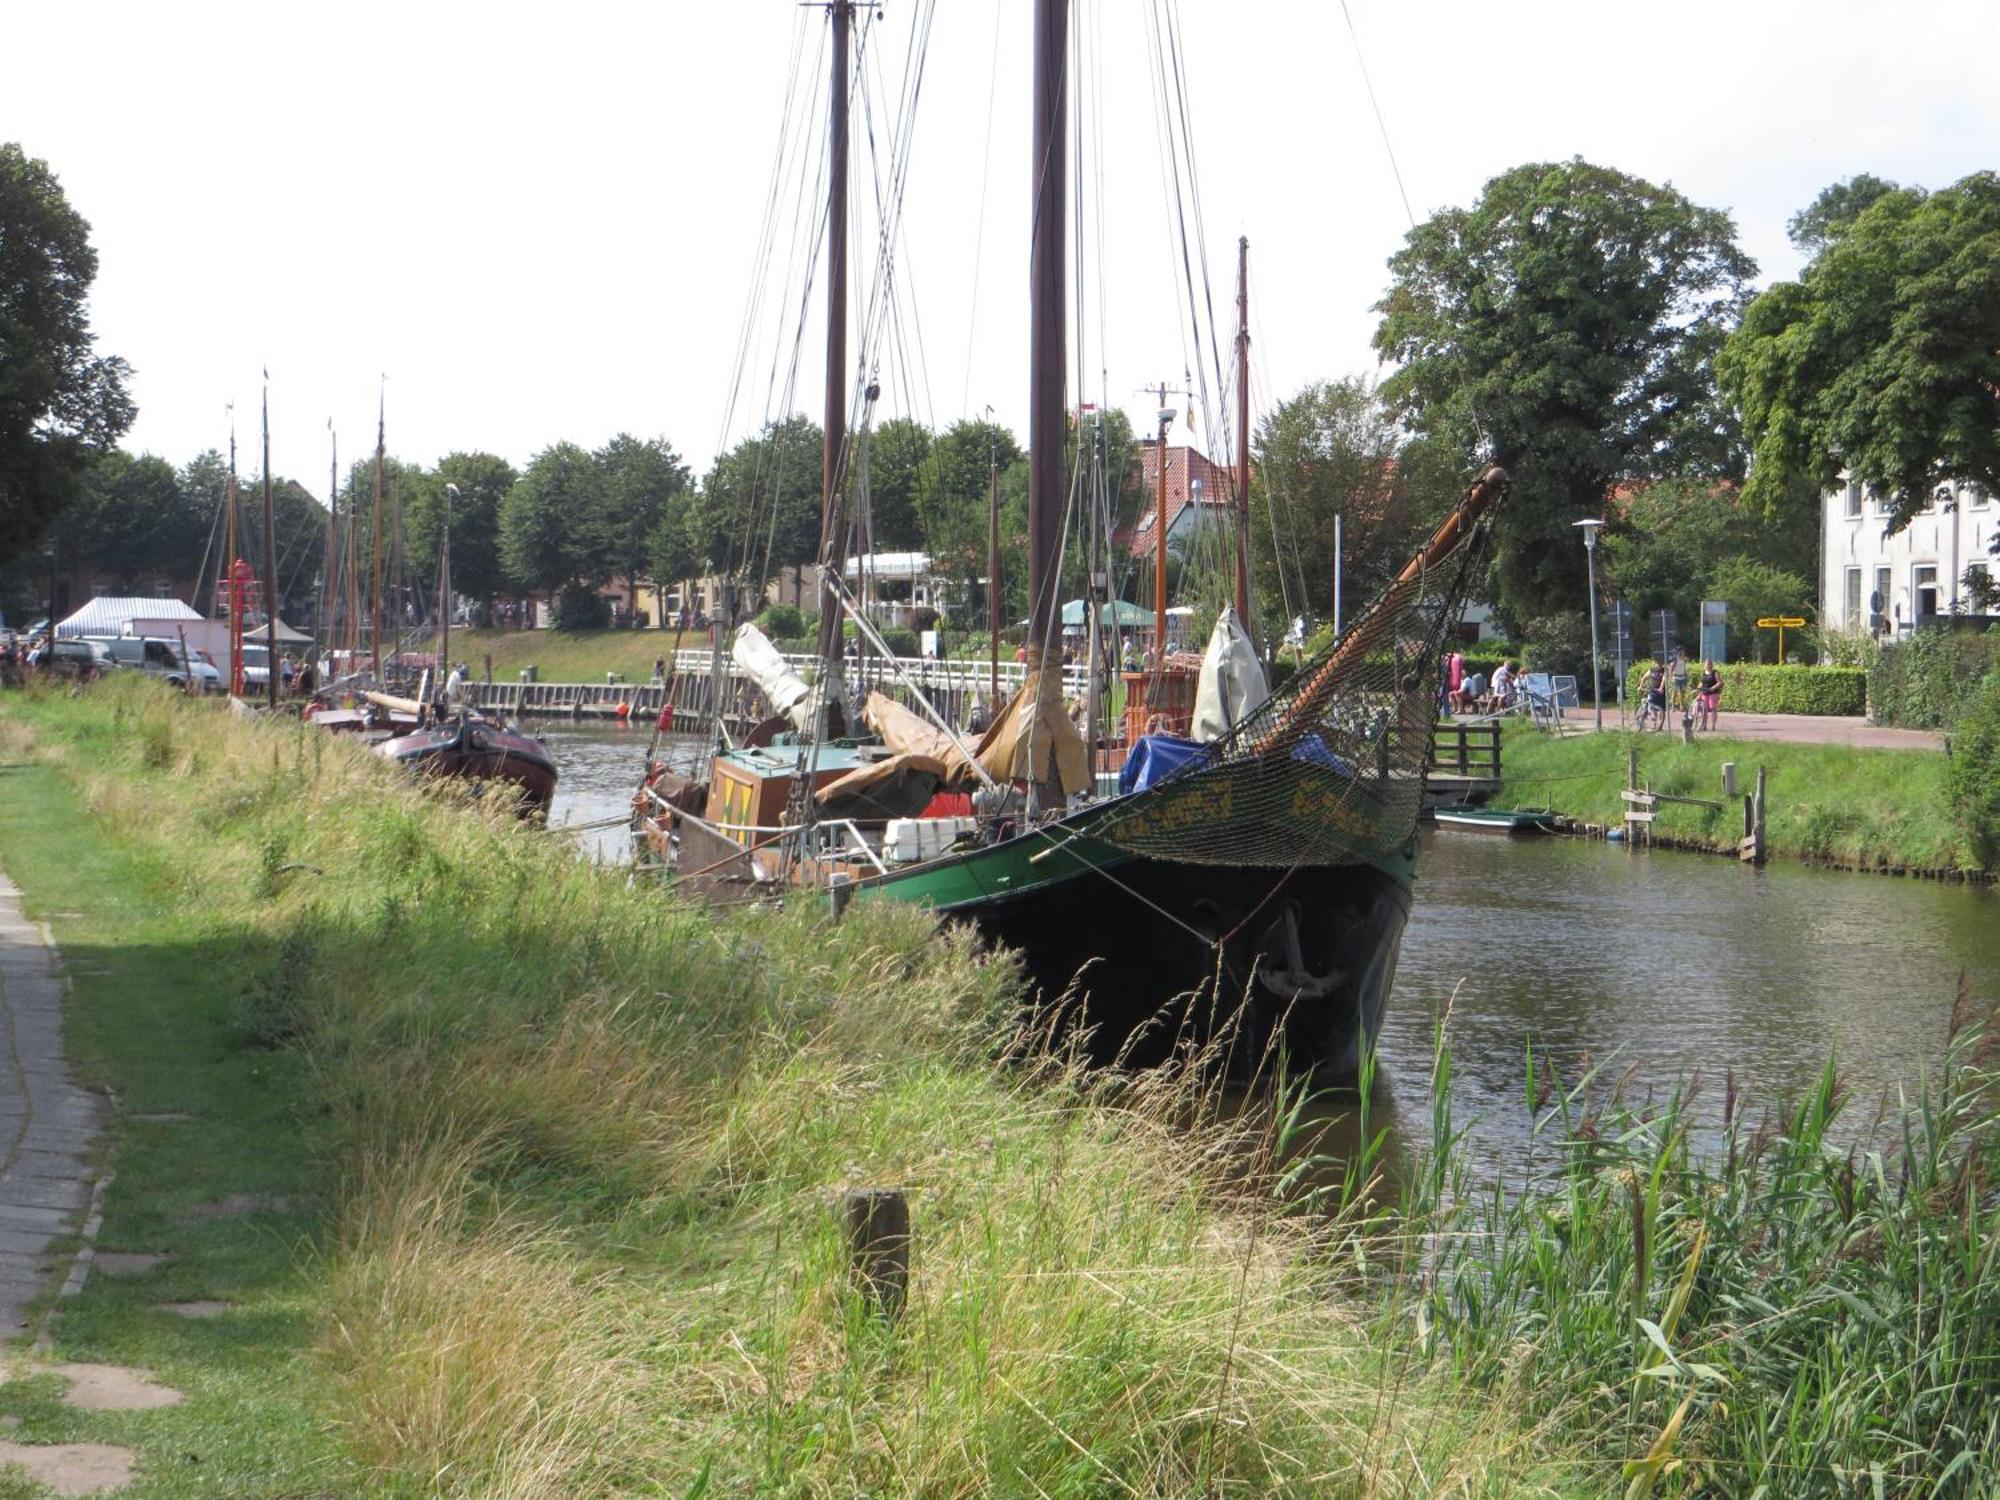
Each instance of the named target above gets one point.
<point>1330,770</point>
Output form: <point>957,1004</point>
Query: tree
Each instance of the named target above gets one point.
<point>1333,450</point>
<point>674,549</point>
<point>1882,361</point>
<point>897,453</point>
<point>1668,541</point>
<point>541,520</point>
<point>483,480</point>
<point>131,520</point>
<point>760,505</point>
<point>1571,316</point>
<point>59,399</point>
<point>1756,591</point>
<point>637,481</point>
<point>1828,216</point>
<point>952,505</point>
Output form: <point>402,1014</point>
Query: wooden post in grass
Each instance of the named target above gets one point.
<point>1751,851</point>
<point>1729,778</point>
<point>878,1239</point>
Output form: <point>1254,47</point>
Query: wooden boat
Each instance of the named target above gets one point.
<point>1496,819</point>
<point>1251,891</point>
<point>480,750</point>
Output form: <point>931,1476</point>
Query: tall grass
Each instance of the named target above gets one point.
<point>1811,1307</point>
<point>584,1147</point>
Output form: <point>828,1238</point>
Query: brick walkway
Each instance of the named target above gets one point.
<point>47,1123</point>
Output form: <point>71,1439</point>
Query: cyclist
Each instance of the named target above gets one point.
<point>1653,697</point>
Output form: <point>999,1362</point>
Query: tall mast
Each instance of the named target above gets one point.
<point>329,582</point>
<point>1048,301</point>
<point>833,520</point>
<point>270,563</point>
<point>1160,533</point>
<point>993,572</point>
<point>1243,432</point>
<point>375,539</point>
<point>229,571</point>
<point>444,586</point>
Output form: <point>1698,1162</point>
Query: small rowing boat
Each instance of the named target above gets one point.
<point>1497,819</point>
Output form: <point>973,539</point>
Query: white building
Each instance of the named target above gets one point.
<point>1890,585</point>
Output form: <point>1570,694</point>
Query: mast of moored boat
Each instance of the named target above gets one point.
<point>993,573</point>
<point>1160,536</point>
<point>444,586</point>
<point>270,563</point>
<point>329,582</point>
<point>1243,432</point>
<point>229,571</point>
<point>833,441</point>
<point>375,540</point>
<point>1047,428</point>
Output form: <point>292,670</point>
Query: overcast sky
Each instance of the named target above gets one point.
<point>541,222</point>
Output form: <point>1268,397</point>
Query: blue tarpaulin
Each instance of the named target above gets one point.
<point>1154,758</point>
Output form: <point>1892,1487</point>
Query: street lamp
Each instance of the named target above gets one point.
<point>1590,530</point>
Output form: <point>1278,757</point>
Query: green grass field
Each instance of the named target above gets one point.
<point>563,1161</point>
<point>1867,809</point>
<point>565,656</point>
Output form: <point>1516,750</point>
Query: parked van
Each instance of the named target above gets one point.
<point>158,658</point>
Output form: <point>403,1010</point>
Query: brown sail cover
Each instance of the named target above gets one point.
<point>1032,738</point>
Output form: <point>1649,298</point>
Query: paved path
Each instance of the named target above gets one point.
<point>1797,729</point>
<point>47,1123</point>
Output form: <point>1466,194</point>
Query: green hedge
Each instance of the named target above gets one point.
<point>1751,689</point>
<point>1922,682</point>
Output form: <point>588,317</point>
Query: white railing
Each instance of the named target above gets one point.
<point>926,672</point>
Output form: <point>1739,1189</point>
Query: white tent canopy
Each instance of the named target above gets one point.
<point>108,616</point>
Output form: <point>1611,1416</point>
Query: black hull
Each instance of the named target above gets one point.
<point>1304,967</point>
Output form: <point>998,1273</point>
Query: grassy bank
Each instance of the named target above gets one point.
<point>1832,804</point>
<point>564,1160</point>
<point>569,656</point>
<point>566,1156</point>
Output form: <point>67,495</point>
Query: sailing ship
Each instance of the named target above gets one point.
<point>1249,891</point>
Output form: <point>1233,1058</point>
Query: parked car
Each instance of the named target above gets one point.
<point>161,658</point>
<point>71,656</point>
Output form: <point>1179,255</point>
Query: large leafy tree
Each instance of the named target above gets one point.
<point>483,480</point>
<point>1333,450</point>
<point>1675,542</point>
<point>952,503</point>
<point>132,523</point>
<point>543,535</point>
<point>897,453</point>
<point>1570,317</point>
<point>1883,358</point>
<point>638,480</point>
<point>759,507</point>
<point>1826,218</point>
<point>59,398</point>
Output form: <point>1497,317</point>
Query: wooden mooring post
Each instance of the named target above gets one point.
<point>1751,850</point>
<point>878,1240</point>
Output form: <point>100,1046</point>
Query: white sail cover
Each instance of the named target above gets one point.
<point>1232,680</point>
<point>766,666</point>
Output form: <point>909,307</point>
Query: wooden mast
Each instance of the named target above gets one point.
<point>270,563</point>
<point>229,571</point>
<point>1048,301</point>
<point>993,573</point>
<point>1160,534</point>
<point>329,584</point>
<point>1243,432</point>
<point>833,443</point>
<point>375,541</point>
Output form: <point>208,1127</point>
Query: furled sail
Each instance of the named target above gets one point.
<point>766,666</point>
<point>1232,683</point>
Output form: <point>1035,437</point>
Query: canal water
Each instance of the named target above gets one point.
<point>1661,962</point>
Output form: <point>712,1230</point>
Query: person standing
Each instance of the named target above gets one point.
<point>454,686</point>
<point>1708,695</point>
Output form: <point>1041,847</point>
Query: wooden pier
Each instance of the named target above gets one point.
<point>1465,761</point>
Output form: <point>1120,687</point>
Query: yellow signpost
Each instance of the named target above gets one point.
<point>1780,623</point>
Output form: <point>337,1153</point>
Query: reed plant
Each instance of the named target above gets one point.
<point>1806,1304</point>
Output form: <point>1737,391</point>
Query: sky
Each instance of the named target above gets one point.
<point>517,225</point>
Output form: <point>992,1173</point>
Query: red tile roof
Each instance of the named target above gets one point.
<point>1218,488</point>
